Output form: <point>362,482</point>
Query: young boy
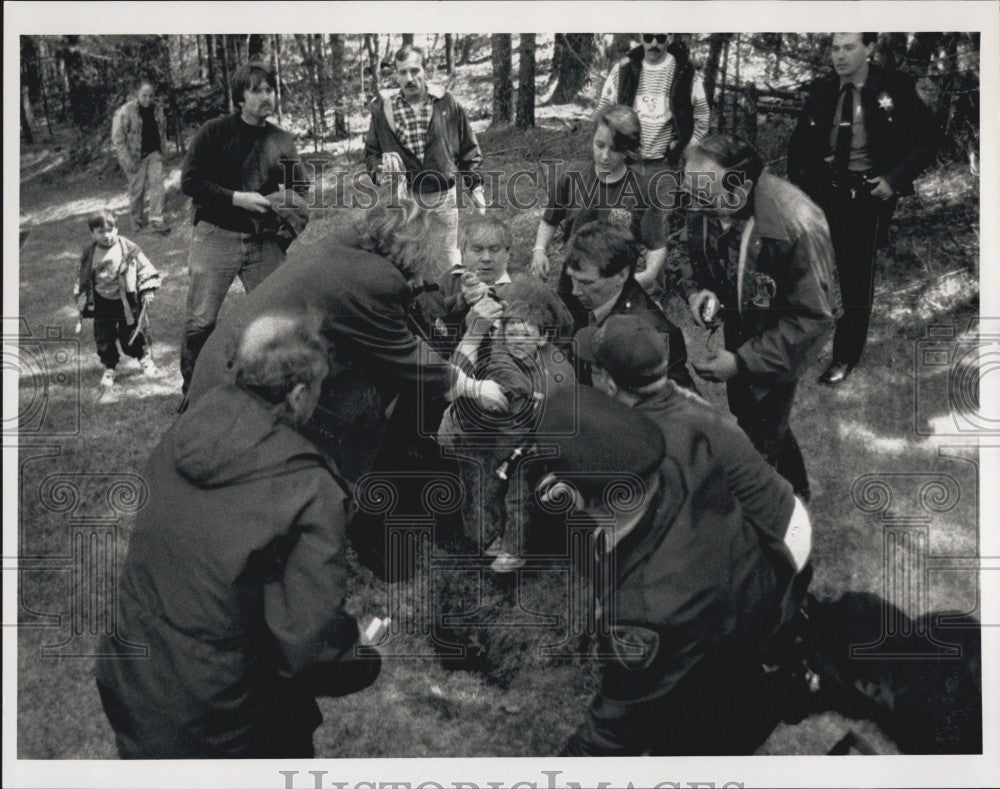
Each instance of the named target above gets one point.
<point>525,353</point>
<point>115,280</point>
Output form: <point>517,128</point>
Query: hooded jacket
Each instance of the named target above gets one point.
<point>234,579</point>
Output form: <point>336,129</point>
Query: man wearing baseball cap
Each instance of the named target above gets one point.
<point>693,597</point>
<point>629,359</point>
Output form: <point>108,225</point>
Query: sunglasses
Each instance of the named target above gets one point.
<point>659,38</point>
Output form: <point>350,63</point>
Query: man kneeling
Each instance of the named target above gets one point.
<point>234,582</point>
<point>690,595</point>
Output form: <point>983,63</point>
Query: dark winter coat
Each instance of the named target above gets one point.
<point>234,580</point>
<point>697,596</point>
<point>787,296</point>
<point>364,303</point>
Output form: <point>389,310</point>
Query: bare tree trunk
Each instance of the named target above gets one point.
<point>336,72</point>
<point>276,67</point>
<point>500,54</point>
<point>722,88</point>
<point>257,46</point>
<point>210,57</point>
<point>223,55</point>
<point>574,65</point>
<point>715,44</point>
<point>619,47</point>
<point>26,116</point>
<point>736,84</point>
<point>526,81</point>
<point>374,61</point>
<point>449,53</point>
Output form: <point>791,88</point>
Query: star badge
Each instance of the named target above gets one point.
<point>885,102</point>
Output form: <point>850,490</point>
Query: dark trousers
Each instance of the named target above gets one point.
<point>763,414</point>
<point>112,330</point>
<point>714,711</point>
<point>857,220</point>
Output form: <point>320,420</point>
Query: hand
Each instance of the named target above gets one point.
<point>719,367</point>
<point>482,315</point>
<point>392,162</point>
<point>474,293</point>
<point>697,303</point>
<point>479,200</point>
<point>254,202</point>
<point>81,302</point>
<point>489,396</point>
<point>148,296</point>
<point>883,190</point>
<point>540,264</point>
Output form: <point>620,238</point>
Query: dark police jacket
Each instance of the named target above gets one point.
<point>786,297</point>
<point>695,585</point>
<point>903,136</point>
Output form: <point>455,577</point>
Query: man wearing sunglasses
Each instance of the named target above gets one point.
<point>658,81</point>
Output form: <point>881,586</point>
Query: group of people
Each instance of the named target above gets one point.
<point>235,574</point>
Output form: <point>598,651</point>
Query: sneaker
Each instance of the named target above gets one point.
<point>108,379</point>
<point>148,365</point>
<point>495,548</point>
<point>507,563</point>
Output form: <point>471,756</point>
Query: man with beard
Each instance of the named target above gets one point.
<point>235,164</point>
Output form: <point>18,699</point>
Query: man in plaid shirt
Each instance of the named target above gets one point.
<point>422,133</point>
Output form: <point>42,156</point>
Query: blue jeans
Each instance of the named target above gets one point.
<point>216,257</point>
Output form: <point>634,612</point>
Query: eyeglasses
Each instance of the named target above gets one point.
<point>659,38</point>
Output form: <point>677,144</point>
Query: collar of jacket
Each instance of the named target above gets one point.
<point>434,90</point>
<point>769,215</point>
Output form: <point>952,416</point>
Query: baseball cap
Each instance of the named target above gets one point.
<point>632,351</point>
<point>602,438</point>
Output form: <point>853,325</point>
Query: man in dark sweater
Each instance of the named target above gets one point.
<point>235,164</point>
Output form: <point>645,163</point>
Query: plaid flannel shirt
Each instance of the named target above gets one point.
<point>412,121</point>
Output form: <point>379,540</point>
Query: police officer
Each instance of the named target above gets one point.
<point>862,137</point>
<point>694,597</point>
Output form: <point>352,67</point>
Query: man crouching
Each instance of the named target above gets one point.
<point>234,581</point>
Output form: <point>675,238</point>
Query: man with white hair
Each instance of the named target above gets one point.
<point>234,580</point>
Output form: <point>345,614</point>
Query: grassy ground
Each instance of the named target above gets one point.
<point>523,704</point>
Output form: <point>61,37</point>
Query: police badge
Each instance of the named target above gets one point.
<point>762,289</point>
